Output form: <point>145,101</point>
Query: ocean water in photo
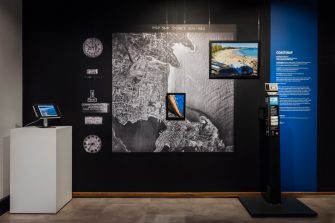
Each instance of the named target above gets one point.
<point>180,102</point>
<point>249,52</point>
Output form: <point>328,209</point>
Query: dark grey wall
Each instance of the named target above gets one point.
<point>53,34</point>
<point>326,95</point>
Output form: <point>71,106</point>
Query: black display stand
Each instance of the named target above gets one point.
<point>271,203</point>
<point>289,207</point>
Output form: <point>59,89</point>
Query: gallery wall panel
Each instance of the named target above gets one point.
<point>55,70</point>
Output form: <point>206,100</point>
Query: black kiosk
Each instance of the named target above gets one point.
<point>271,203</point>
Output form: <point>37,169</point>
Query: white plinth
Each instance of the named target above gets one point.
<point>40,169</point>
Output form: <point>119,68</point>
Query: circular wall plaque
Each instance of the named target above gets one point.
<point>92,143</point>
<point>92,47</point>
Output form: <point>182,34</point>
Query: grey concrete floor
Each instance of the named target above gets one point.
<point>167,210</point>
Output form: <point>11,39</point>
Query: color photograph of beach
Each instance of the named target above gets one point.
<point>233,60</point>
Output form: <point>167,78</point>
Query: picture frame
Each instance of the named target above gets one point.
<point>240,61</point>
<point>175,106</point>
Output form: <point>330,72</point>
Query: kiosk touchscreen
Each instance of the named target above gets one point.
<point>46,111</point>
<point>272,109</point>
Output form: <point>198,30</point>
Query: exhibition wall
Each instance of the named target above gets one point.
<point>326,118</point>
<point>10,82</point>
<point>119,148</point>
<point>55,71</point>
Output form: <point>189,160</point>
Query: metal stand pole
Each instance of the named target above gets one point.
<point>45,123</point>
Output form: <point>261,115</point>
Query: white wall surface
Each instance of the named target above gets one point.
<point>10,81</point>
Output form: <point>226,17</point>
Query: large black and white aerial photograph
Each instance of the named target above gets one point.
<point>146,67</point>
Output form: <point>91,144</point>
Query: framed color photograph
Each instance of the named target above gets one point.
<point>232,59</point>
<point>175,106</point>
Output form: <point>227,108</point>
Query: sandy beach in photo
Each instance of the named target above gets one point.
<point>231,57</point>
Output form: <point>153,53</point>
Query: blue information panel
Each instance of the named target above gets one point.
<point>294,68</point>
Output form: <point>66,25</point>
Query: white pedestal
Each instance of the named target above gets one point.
<point>40,169</point>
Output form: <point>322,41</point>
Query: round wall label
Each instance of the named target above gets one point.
<point>92,47</point>
<point>92,143</point>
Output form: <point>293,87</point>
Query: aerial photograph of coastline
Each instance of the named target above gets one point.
<point>233,60</point>
<point>153,73</point>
